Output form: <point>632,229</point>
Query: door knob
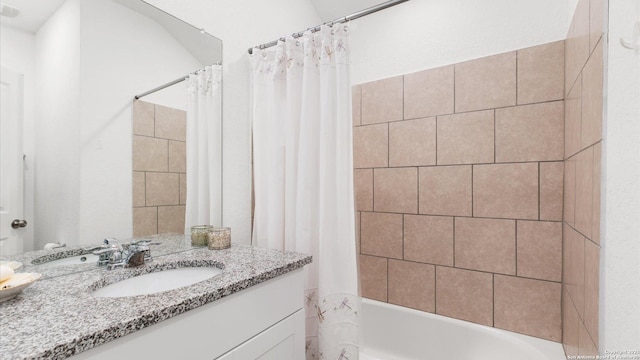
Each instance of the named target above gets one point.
<point>18,223</point>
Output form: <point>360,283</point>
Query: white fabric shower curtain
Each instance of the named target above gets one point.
<point>303,177</point>
<point>204,148</point>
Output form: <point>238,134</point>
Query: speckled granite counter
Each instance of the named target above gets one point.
<point>57,318</point>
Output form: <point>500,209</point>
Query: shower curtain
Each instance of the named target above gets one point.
<point>303,177</point>
<point>204,148</point>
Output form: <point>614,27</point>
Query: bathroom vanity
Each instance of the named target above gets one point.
<point>252,308</point>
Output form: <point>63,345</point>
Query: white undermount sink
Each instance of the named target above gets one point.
<point>157,282</point>
<point>74,260</point>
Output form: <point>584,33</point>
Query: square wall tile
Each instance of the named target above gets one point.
<point>577,43</point>
<point>162,189</point>
<point>143,118</point>
<point>596,18</point>
<point>150,154</point>
<point>485,245</point>
<point>371,146</point>
<point>412,142</point>
<point>591,288</point>
<point>171,123</point>
<point>573,267</point>
<point>171,219</point>
<point>373,277</point>
<point>597,181</point>
<point>445,190</point>
<point>465,295</point>
<point>527,306</point>
<point>573,119</point>
<point>506,191</point>
<point>486,83</point>
<point>551,182</point>
<point>145,221</point>
<point>412,285</point>
<point>177,156</point>
<point>363,179</point>
<point>381,234</point>
<point>541,73</point>
<point>539,250</point>
<point>428,239</point>
<point>138,192</point>
<point>396,190</point>
<point>382,101</point>
<point>530,132</point>
<point>466,138</point>
<point>356,99</point>
<point>183,190</point>
<point>592,98</point>
<point>569,202</point>
<point>570,326</point>
<point>428,93</point>
<point>584,192</point>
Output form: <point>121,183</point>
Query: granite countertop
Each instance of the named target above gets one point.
<point>58,317</point>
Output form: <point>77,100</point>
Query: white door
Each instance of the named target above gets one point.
<point>11,163</point>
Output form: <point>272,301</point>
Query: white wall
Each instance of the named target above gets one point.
<point>17,52</point>
<point>620,233</point>
<point>57,176</point>
<point>240,24</point>
<point>423,34</point>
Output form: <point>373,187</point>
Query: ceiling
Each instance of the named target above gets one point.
<point>33,13</point>
<point>333,9</point>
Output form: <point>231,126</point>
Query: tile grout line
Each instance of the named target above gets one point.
<point>472,166</point>
<point>454,241</point>
<point>436,162</point>
<point>539,191</point>
<point>467,217</point>
<point>467,269</point>
<point>516,249</point>
<point>517,100</point>
<point>494,136</point>
<point>387,289</point>
<point>435,289</point>
<point>493,300</point>
<point>403,215</point>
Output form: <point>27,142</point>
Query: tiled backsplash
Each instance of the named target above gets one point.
<point>582,150</point>
<point>459,189</point>
<point>159,169</point>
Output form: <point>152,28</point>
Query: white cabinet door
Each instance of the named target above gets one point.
<point>282,341</point>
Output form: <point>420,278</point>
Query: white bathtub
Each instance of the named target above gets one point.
<point>393,332</point>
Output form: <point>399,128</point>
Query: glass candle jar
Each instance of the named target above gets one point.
<point>199,234</point>
<point>219,238</point>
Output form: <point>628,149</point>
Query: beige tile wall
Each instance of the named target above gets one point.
<point>159,169</point>
<point>582,149</point>
<point>459,189</point>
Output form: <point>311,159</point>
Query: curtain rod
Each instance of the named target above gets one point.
<point>353,16</point>
<point>170,83</point>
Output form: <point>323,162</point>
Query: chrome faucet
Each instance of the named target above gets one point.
<point>114,255</point>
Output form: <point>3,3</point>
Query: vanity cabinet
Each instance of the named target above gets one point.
<point>279,342</point>
<point>265,321</point>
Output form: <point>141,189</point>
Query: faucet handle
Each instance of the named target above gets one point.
<point>113,243</point>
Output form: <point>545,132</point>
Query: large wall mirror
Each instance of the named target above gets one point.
<point>78,65</point>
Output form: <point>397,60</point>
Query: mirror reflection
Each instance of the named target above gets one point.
<point>67,164</point>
